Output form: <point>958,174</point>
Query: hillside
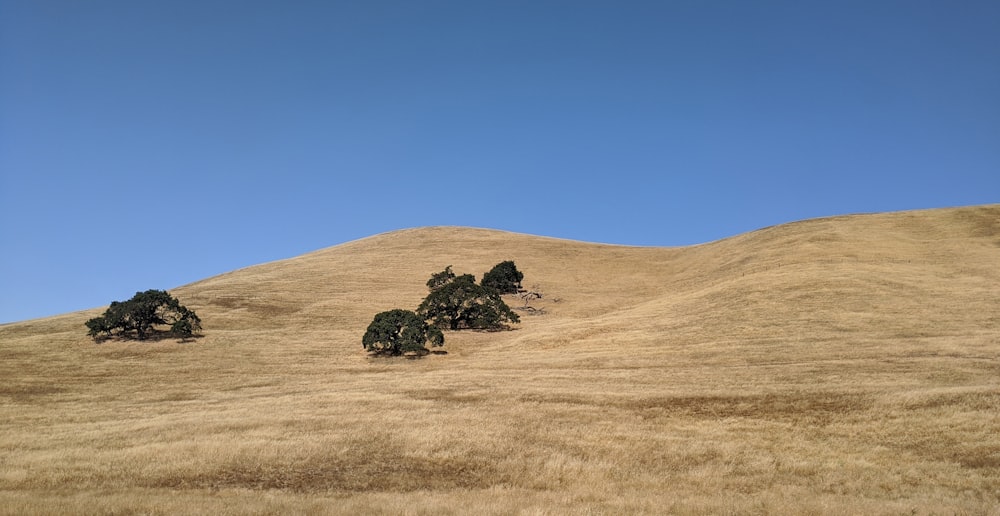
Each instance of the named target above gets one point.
<point>840,365</point>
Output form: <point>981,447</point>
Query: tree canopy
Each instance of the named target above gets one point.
<point>454,303</point>
<point>398,331</point>
<point>462,304</point>
<point>138,317</point>
<point>440,279</point>
<point>504,277</point>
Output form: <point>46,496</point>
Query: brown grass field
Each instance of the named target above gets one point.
<point>848,365</point>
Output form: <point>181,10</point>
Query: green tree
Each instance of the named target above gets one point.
<point>440,279</point>
<point>504,278</point>
<point>462,304</point>
<point>139,316</point>
<point>400,331</point>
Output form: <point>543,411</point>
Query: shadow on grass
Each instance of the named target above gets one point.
<point>409,355</point>
<point>152,337</point>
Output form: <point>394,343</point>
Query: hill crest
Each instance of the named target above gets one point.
<point>390,268</point>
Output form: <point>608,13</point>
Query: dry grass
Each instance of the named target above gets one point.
<point>843,365</point>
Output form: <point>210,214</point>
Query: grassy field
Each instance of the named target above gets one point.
<point>848,365</point>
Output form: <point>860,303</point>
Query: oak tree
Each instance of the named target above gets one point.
<point>504,277</point>
<point>462,304</point>
<point>398,331</point>
<point>138,317</point>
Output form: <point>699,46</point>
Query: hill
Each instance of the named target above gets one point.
<point>840,365</point>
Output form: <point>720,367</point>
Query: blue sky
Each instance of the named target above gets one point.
<point>152,144</point>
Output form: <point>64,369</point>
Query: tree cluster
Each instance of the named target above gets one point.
<point>462,304</point>
<point>138,317</point>
<point>454,303</point>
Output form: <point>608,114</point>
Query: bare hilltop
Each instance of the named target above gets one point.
<point>840,365</point>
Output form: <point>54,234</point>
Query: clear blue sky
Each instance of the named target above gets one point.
<point>152,144</point>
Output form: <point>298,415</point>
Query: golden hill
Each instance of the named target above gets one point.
<point>840,365</point>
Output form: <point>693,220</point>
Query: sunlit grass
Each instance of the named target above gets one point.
<point>846,365</point>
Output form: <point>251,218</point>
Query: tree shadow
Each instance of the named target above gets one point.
<point>153,336</point>
<point>408,355</point>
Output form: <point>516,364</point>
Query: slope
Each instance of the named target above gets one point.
<point>847,364</point>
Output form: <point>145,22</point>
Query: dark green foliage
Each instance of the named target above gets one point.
<point>454,303</point>
<point>462,304</point>
<point>400,331</point>
<point>504,278</point>
<point>137,317</point>
<point>440,279</point>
